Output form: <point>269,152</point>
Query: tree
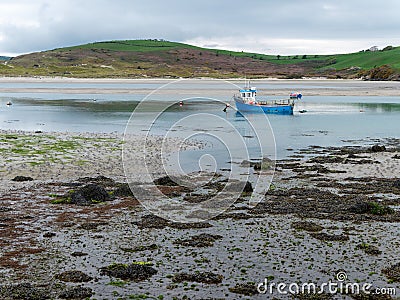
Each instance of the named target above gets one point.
<point>278,56</point>
<point>387,48</point>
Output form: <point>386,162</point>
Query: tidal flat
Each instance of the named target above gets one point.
<point>72,229</point>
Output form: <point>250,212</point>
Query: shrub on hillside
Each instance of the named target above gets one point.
<point>384,72</point>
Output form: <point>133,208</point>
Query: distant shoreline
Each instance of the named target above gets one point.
<point>318,86</point>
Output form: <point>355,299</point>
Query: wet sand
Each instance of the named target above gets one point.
<point>318,87</point>
<point>329,210</point>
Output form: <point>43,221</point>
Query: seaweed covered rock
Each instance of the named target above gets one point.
<point>89,194</point>
<point>23,291</point>
<point>202,277</point>
<point>73,276</point>
<point>378,148</point>
<point>240,186</point>
<point>369,249</point>
<point>330,237</point>
<point>166,181</point>
<point>373,208</point>
<point>201,240</point>
<point>393,272</point>
<point>247,289</point>
<point>103,180</point>
<point>152,221</point>
<point>123,190</point>
<point>76,292</point>
<point>307,226</point>
<point>135,271</point>
<point>22,178</point>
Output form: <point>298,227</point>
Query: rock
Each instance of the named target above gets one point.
<point>49,234</point>
<point>22,178</point>
<point>92,225</point>
<point>152,221</point>
<point>5,209</point>
<point>397,156</point>
<point>396,183</point>
<point>201,240</point>
<point>248,188</point>
<point>166,180</point>
<point>198,198</point>
<point>89,194</point>
<point>369,249</point>
<point>307,226</point>
<point>99,180</point>
<point>360,208</point>
<point>73,276</point>
<point>264,164</point>
<point>202,277</point>
<point>123,190</point>
<point>378,148</point>
<point>247,289</point>
<point>78,254</point>
<point>76,292</point>
<point>240,186</point>
<point>393,272</point>
<point>78,199</point>
<point>330,237</point>
<point>23,291</point>
<point>135,272</point>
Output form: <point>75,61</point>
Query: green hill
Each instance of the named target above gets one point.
<point>159,58</point>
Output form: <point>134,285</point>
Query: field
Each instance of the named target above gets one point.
<point>159,58</point>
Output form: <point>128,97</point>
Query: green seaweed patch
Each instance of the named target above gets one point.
<point>378,209</point>
<point>369,249</point>
<point>81,162</point>
<point>35,163</point>
<point>118,283</point>
<point>64,200</point>
<point>53,195</point>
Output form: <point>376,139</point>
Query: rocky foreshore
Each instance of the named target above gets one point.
<point>75,230</point>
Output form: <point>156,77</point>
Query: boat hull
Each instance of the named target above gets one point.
<point>267,109</point>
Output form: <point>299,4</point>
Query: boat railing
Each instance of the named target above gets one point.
<point>275,102</point>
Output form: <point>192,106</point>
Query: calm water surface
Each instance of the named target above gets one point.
<point>329,120</point>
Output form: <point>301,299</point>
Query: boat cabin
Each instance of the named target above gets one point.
<point>248,94</point>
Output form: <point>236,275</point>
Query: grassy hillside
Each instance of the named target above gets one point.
<point>133,46</point>
<point>369,60</point>
<point>158,58</point>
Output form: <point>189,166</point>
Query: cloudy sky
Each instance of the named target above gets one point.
<point>265,26</point>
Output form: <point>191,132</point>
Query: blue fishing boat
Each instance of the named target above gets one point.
<point>246,102</point>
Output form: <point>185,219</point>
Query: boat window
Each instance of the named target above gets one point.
<point>248,94</point>
<point>243,94</point>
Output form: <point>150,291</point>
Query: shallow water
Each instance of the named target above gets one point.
<point>329,120</point>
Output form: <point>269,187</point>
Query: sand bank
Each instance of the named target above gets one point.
<point>279,87</point>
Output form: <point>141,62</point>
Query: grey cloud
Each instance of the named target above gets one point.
<point>73,22</point>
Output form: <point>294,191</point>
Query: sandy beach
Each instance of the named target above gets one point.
<point>318,87</point>
<point>328,210</point>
